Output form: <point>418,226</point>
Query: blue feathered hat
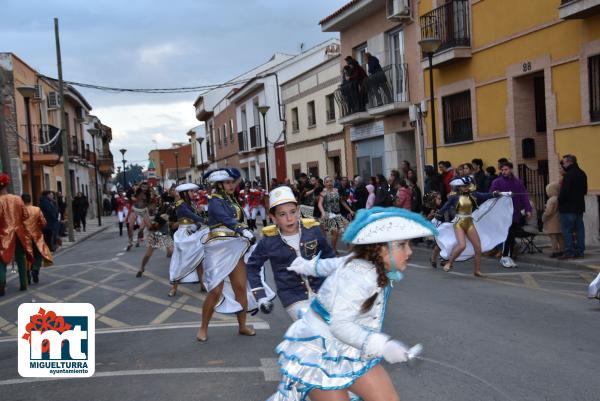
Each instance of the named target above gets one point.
<point>222,174</point>
<point>384,224</point>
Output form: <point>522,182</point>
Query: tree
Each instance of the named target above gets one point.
<point>134,175</point>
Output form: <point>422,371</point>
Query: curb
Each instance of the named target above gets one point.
<point>82,239</point>
<point>547,262</point>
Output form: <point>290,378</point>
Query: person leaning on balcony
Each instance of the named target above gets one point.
<point>378,86</point>
<point>357,85</point>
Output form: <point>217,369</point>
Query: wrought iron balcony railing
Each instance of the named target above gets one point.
<point>450,23</point>
<point>243,141</point>
<point>388,86</point>
<point>255,141</point>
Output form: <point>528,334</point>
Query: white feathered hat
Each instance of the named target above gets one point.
<point>188,186</point>
<point>222,174</point>
<point>385,224</point>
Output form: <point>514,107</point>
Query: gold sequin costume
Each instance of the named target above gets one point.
<point>464,208</point>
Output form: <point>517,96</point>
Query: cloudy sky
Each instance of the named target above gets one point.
<point>156,44</point>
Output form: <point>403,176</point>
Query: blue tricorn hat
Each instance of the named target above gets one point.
<point>384,224</point>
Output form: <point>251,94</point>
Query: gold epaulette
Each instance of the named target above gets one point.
<point>310,223</point>
<point>215,196</point>
<point>179,202</point>
<point>270,231</point>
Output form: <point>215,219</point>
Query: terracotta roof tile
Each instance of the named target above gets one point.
<point>339,11</point>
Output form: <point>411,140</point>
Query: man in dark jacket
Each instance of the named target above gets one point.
<point>359,194</point>
<point>50,212</point>
<point>571,206</point>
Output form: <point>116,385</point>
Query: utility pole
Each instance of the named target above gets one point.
<point>4,157</point>
<point>65,143</point>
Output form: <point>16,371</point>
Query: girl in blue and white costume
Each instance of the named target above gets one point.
<point>338,345</point>
<point>228,241</point>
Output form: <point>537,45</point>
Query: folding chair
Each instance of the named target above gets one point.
<point>526,242</point>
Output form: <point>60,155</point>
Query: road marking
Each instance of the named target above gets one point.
<point>164,315</point>
<point>529,280</point>
<point>270,369</point>
<point>147,372</point>
<point>113,304</point>
<point>120,253</point>
<point>258,325</point>
<point>111,322</point>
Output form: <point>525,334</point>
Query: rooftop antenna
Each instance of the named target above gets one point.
<point>301,47</point>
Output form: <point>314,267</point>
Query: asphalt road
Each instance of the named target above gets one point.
<point>519,334</point>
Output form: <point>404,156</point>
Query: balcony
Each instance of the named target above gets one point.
<point>351,96</point>
<point>106,164</point>
<point>451,24</point>
<point>387,90</point>
<point>255,141</point>
<point>42,134</point>
<point>202,114</point>
<point>384,93</point>
<point>577,9</point>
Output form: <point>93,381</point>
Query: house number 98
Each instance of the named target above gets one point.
<point>527,66</point>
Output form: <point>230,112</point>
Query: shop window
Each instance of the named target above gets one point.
<point>458,125</point>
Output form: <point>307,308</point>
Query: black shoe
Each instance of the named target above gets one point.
<point>36,276</point>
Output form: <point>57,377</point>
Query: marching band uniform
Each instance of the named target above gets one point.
<point>229,241</point>
<point>294,290</point>
<point>122,211</point>
<point>36,245</point>
<point>13,235</point>
<point>336,343</point>
<point>256,197</point>
<point>188,252</point>
<point>474,210</point>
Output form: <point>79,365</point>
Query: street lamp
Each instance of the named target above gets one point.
<point>429,45</point>
<point>96,132</point>
<point>263,110</point>
<point>162,173</point>
<point>124,173</point>
<point>176,153</point>
<point>200,140</point>
<point>28,92</point>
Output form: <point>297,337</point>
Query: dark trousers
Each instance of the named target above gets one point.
<point>20,259</point>
<point>80,219</point>
<point>509,244</point>
<point>573,223</point>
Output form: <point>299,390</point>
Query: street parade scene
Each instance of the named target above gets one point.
<point>290,201</point>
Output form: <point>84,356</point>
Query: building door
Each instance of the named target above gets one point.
<point>369,157</point>
<point>280,162</point>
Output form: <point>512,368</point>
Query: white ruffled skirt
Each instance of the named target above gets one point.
<point>188,253</point>
<point>223,251</point>
<point>311,358</point>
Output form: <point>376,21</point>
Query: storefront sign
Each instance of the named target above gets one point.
<point>364,131</point>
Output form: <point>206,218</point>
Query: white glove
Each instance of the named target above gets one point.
<point>191,230</point>
<point>303,266</point>
<point>332,215</point>
<point>249,235</point>
<point>265,305</point>
<point>394,351</point>
<point>509,194</point>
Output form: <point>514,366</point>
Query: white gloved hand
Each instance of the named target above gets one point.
<point>332,215</point>
<point>303,266</point>
<point>394,351</point>
<point>265,305</point>
<point>249,235</point>
<point>508,193</point>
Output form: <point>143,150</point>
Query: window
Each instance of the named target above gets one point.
<point>231,130</point>
<point>313,169</point>
<point>312,119</point>
<point>295,122</point>
<point>539,98</point>
<point>398,70</point>
<point>330,107</point>
<point>457,117</point>
<point>219,136</point>
<point>359,54</point>
<point>224,135</point>
<point>594,81</point>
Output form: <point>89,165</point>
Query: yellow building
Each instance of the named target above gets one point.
<point>517,79</point>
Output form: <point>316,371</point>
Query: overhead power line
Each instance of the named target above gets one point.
<point>185,89</point>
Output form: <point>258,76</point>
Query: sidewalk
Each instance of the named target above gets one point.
<point>92,229</point>
<point>590,261</point>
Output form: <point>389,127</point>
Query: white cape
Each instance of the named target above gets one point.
<point>492,220</point>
